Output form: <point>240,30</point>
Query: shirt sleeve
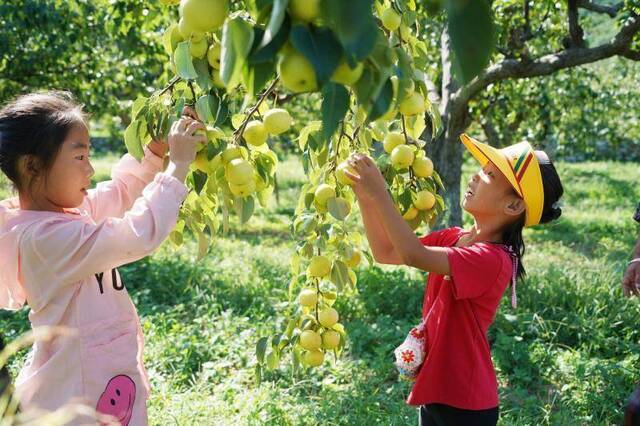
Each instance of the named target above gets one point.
<point>474,269</point>
<point>434,239</point>
<point>62,251</point>
<point>128,178</point>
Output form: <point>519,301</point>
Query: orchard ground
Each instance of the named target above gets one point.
<point>568,355</point>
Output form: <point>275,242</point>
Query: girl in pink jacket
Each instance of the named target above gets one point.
<point>60,245</point>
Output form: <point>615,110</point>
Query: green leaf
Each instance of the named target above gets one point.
<point>335,104</point>
<point>237,39</point>
<point>184,64</point>
<point>320,47</point>
<point>372,91</point>
<point>258,374</point>
<point>273,360</point>
<point>382,102</point>
<point>268,52</point>
<point>405,73</point>
<point>353,23</point>
<point>261,349</point>
<point>137,107</point>
<point>339,274</point>
<point>339,208</point>
<point>176,238</point>
<point>308,199</point>
<point>312,127</point>
<point>244,208</point>
<point>296,359</point>
<point>255,77</point>
<point>305,224</point>
<point>438,180</point>
<point>382,55</point>
<point>203,79</point>
<point>177,235</point>
<point>292,284</point>
<point>415,126</point>
<point>207,108</point>
<point>406,199</point>
<point>203,244</point>
<point>199,180</point>
<point>436,120</point>
<point>222,114</point>
<point>275,21</point>
<point>472,35</point>
<point>133,139</point>
<point>166,37</point>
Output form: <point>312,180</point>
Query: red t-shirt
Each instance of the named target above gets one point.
<point>459,308</point>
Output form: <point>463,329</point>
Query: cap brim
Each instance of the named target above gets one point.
<point>486,153</point>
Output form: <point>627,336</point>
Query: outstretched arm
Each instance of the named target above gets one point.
<point>129,177</point>
<point>369,182</point>
<point>381,246</point>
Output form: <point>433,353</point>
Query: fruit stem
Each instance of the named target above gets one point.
<point>169,86</point>
<point>334,163</point>
<point>404,131</point>
<point>193,92</point>
<point>317,300</point>
<point>240,130</point>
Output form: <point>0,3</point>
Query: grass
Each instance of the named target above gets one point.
<point>568,355</point>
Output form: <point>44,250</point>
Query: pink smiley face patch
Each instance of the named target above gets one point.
<point>118,398</point>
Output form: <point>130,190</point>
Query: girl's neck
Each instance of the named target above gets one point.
<point>42,204</point>
<point>484,231</point>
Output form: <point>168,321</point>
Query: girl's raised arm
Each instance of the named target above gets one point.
<point>128,178</point>
<point>381,246</point>
<point>407,247</point>
<point>63,251</point>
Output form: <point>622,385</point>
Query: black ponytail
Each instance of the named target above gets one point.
<point>512,237</point>
<point>553,190</point>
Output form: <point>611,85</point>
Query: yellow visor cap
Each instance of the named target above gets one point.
<point>519,164</point>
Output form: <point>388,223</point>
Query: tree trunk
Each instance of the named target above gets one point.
<point>446,152</point>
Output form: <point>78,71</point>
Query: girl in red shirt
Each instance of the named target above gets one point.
<point>468,271</point>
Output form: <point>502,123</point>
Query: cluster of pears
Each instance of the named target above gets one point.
<point>298,75</point>
<point>240,176</point>
<point>274,122</point>
<point>410,158</point>
<point>199,20</point>
<point>412,102</point>
<point>240,173</point>
<point>296,72</point>
<point>326,193</point>
<point>322,333</point>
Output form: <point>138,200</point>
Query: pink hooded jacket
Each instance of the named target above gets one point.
<point>64,266</point>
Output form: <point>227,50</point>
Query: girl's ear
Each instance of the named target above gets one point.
<point>514,206</point>
<point>29,166</point>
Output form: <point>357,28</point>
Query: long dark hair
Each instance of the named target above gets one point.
<point>553,190</point>
<point>36,125</point>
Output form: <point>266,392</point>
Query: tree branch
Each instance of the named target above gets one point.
<point>576,33</point>
<point>490,132</point>
<point>527,20</point>
<point>612,11</point>
<point>548,64</point>
<point>633,55</point>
